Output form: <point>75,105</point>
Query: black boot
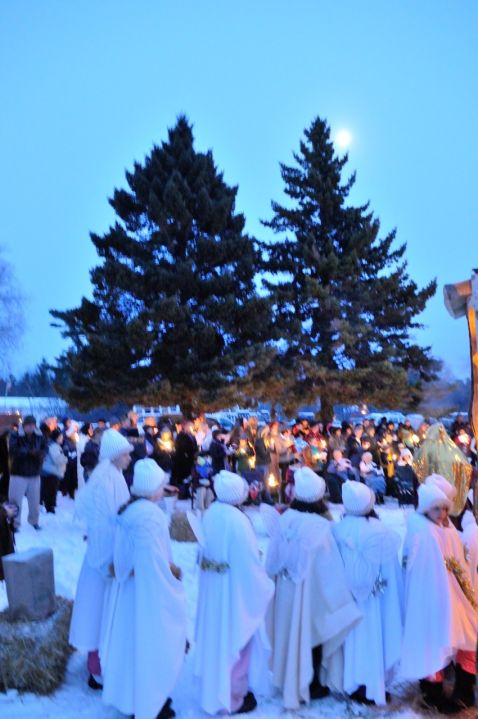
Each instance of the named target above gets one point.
<point>167,712</point>
<point>434,698</point>
<point>464,691</point>
<point>248,705</point>
<point>93,684</point>
<point>360,696</point>
<point>316,689</point>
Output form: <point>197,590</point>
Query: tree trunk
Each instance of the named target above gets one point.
<point>326,409</point>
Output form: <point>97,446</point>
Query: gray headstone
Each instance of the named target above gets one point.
<point>30,584</point>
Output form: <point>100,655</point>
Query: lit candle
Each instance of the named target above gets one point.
<point>272,481</point>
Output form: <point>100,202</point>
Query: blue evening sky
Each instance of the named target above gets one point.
<point>87,86</point>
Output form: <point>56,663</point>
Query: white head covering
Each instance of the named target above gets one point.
<point>230,488</point>
<point>113,444</point>
<point>308,486</point>
<point>358,499</point>
<point>405,454</point>
<point>148,477</point>
<point>430,494</point>
<point>443,484</point>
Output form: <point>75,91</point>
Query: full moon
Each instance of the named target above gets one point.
<point>343,139</point>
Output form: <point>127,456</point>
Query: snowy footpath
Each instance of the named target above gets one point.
<point>74,699</point>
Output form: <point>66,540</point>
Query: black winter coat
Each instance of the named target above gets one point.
<point>27,453</point>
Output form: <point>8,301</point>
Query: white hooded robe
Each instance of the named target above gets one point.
<point>144,633</point>
<point>232,603</point>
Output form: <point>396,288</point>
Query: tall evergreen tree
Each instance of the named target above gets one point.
<point>175,316</point>
<point>344,304</point>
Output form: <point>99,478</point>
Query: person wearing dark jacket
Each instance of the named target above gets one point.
<point>27,448</point>
<point>4,466</point>
<point>185,453</point>
<point>91,453</point>
<point>217,452</point>
<point>131,431</point>
<point>69,484</point>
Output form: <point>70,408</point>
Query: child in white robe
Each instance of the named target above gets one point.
<point>144,636</point>
<point>234,593</point>
<point>369,551</point>
<point>313,609</point>
<point>97,504</point>
<point>441,621</point>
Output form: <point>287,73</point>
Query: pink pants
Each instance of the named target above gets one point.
<point>93,663</point>
<point>466,660</point>
<point>240,678</point>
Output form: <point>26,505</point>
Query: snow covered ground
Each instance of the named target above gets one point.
<point>74,699</point>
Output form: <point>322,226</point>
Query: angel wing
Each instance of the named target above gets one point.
<point>274,563</point>
<point>271,519</point>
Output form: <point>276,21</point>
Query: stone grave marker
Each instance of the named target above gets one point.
<point>30,584</point>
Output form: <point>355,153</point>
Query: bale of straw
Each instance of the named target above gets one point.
<point>180,529</point>
<point>34,655</point>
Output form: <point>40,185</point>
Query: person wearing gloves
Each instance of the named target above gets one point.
<point>234,593</point>
<point>97,505</point>
<point>144,627</point>
<point>369,552</point>
<point>313,609</point>
<point>441,621</point>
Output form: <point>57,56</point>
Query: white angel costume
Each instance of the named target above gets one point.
<point>370,554</point>
<point>144,628</point>
<point>97,505</point>
<point>234,593</point>
<point>440,619</point>
<point>312,605</point>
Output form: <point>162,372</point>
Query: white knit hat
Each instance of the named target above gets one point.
<point>148,477</point>
<point>358,499</point>
<point>113,444</point>
<point>429,495</point>
<point>230,488</point>
<point>443,484</point>
<point>308,486</point>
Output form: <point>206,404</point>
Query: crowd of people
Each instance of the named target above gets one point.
<point>40,461</point>
<point>333,606</point>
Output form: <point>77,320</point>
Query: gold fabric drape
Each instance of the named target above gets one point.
<point>439,454</point>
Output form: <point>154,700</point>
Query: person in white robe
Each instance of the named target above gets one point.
<point>441,620</point>
<point>369,551</point>
<point>469,537</point>
<point>144,628</point>
<point>97,504</point>
<point>234,593</point>
<point>313,609</point>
